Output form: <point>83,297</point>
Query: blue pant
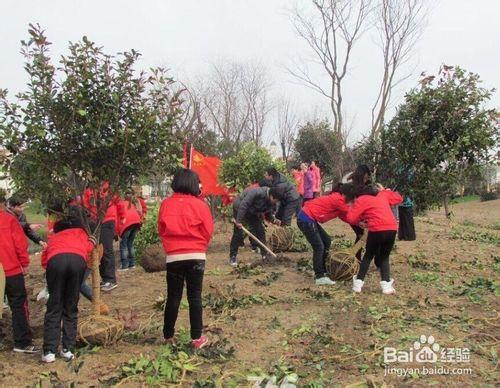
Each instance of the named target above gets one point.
<point>85,289</point>
<point>127,252</point>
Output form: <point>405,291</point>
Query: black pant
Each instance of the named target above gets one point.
<point>378,246</point>
<point>406,229</point>
<point>18,302</point>
<point>359,233</point>
<point>320,242</point>
<point>256,227</point>
<point>287,210</point>
<point>192,272</point>
<point>64,275</point>
<point>107,268</point>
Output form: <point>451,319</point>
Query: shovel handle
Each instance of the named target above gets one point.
<point>257,240</point>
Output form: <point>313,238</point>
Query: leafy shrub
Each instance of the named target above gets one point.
<point>148,235</point>
<point>488,196</point>
<point>248,166</point>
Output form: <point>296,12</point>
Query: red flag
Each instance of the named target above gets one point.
<point>207,168</point>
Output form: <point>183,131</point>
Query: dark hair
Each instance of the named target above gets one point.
<point>277,193</point>
<point>353,191</point>
<point>3,195</point>
<point>186,181</point>
<point>358,176</point>
<point>337,187</point>
<point>272,171</point>
<point>348,190</point>
<point>17,199</point>
<point>264,183</point>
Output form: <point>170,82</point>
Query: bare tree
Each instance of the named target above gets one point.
<point>400,24</point>
<point>255,86</point>
<point>288,124</point>
<point>331,36</point>
<point>235,101</point>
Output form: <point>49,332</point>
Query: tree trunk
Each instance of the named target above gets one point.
<point>96,255</point>
<point>446,203</point>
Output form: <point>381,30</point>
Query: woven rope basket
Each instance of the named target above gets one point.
<point>281,239</point>
<point>342,265</point>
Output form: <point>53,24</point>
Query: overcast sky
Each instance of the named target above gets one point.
<point>188,35</point>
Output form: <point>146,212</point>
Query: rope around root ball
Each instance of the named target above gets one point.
<point>342,266</point>
<point>99,330</point>
<point>282,239</point>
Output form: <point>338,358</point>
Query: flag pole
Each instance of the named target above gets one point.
<point>190,156</point>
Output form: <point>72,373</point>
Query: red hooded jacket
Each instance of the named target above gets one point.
<point>144,209</point>
<point>185,224</point>
<point>375,210</point>
<point>73,240</point>
<point>326,208</point>
<point>298,176</point>
<point>13,245</point>
<point>127,216</point>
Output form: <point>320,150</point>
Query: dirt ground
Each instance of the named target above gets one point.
<point>279,323</point>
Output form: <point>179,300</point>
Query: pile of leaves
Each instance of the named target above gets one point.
<point>228,299</point>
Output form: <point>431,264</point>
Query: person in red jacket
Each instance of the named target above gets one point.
<point>376,211</point>
<point>65,260</point>
<point>15,262</point>
<point>317,179</point>
<point>107,268</point>
<point>129,223</point>
<point>298,177</point>
<point>315,212</point>
<point>185,226</point>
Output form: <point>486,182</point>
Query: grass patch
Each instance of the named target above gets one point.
<point>465,199</point>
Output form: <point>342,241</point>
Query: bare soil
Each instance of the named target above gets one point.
<point>447,287</point>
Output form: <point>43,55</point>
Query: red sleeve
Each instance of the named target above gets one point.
<point>393,197</point>
<point>144,208</point>
<point>121,210</point>
<point>355,212</point>
<point>207,222</point>
<point>44,258</point>
<point>20,243</point>
<point>161,224</point>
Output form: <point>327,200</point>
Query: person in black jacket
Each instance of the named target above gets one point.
<point>16,206</point>
<point>291,202</point>
<point>249,208</point>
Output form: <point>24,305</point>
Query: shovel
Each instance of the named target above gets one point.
<point>261,244</point>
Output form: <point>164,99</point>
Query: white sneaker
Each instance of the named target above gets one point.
<point>67,354</point>
<point>324,281</point>
<point>49,357</point>
<point>357,284</point>
<point>387,287</point>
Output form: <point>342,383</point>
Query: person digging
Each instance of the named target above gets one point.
<point>248,209</point>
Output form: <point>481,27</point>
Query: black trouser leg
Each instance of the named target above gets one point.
<point>372,247</point>
<point>75,272</point>
<point>359,234</point>
<point>386,243</point>
<point>236,241</point>
<point>256,227</point>
<point>175,284</point>
<point>288,210</point>
<point>56,281</point>
<point>107,267</point>
<point>194,285</point>
<point>320,243</point>
<point>18,302</point>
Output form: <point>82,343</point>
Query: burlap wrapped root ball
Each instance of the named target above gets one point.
<point>342,265</point>
<point>153,259</point>
<point>99,330</point>
<point>282,239</point>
